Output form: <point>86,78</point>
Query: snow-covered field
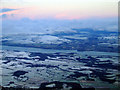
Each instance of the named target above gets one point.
<point>30,69</point>
<point>29,39</point>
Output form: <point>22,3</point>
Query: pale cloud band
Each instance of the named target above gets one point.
<point>62,9</point>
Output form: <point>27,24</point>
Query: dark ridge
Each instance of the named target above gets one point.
<point>59,86</point>
<point>18,73</point>
<point>77,75</point>
<point>56,86</point>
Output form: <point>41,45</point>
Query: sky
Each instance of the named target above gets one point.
<point>58,9</point>
<point>49,16</point>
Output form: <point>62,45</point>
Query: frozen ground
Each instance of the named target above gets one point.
<point>30,69</point>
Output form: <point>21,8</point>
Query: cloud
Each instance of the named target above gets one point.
<point>6,10</point>
<point>44,26</point>
<point>4,16</point>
